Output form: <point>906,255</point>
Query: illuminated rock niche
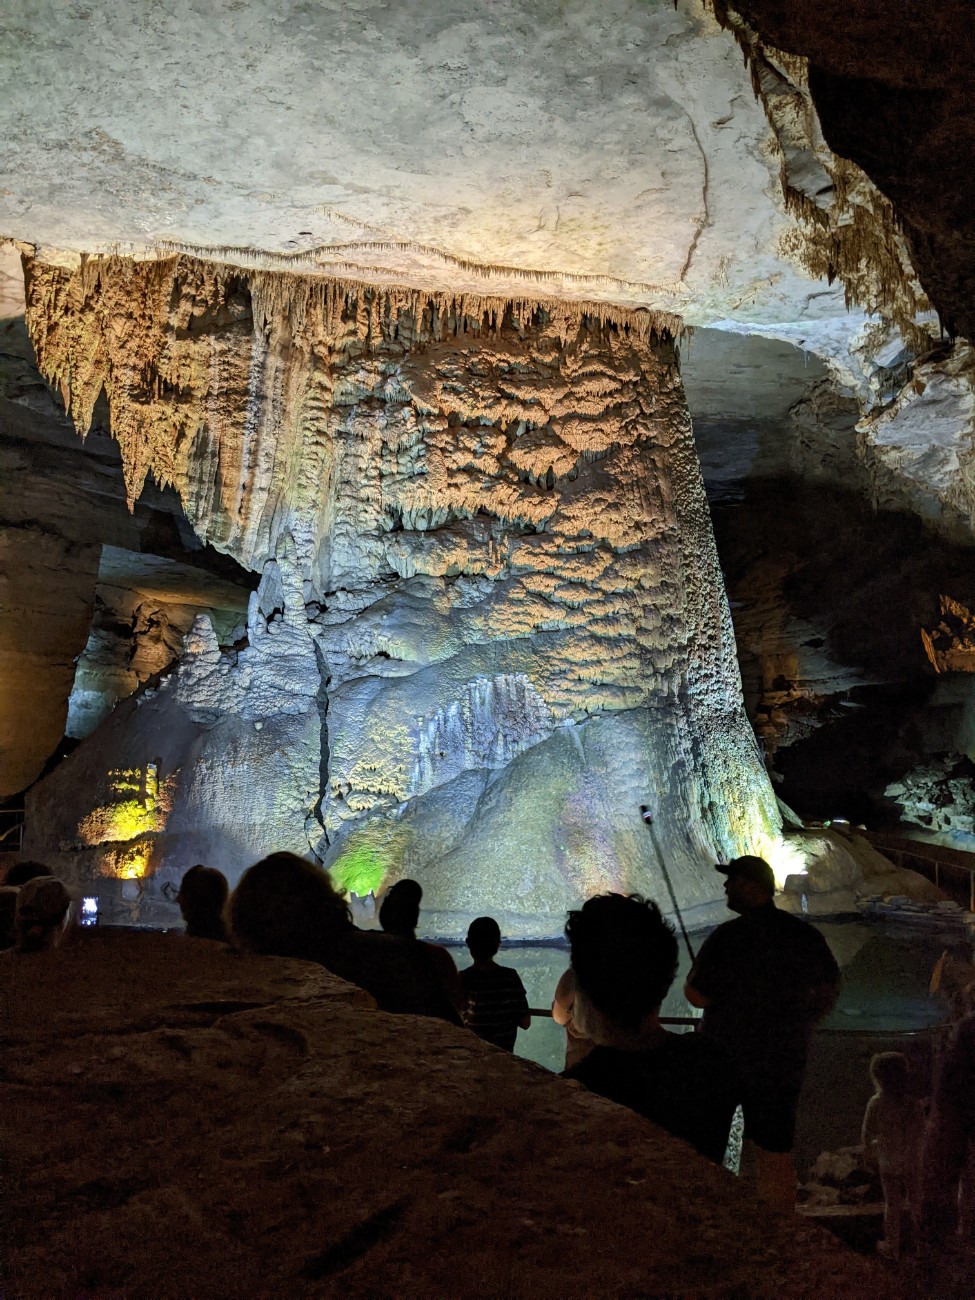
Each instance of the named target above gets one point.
<point>490,622</point>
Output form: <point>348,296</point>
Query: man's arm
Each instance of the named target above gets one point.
<point>825,984</point>
<point>700,981</point>
<point>822,998</point>
<point>526,1019</point>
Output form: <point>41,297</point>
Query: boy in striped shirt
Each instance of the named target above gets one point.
<point>497,1005</point>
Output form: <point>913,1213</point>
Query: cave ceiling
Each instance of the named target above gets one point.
<point>613,152</point>
<point>790,179</point>
<point>892,84</point>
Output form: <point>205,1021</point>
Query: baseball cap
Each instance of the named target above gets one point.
<point>749,868</point>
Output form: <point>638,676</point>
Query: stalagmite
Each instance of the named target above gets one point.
<point>491,622</point>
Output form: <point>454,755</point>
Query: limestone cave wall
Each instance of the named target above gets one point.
<point>490,622</point>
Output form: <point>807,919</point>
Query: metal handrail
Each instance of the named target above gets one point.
<point>938,855</point>
<point>664,1020</point>
<point>16,828</point>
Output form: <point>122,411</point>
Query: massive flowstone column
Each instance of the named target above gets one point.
<point>491,622</point>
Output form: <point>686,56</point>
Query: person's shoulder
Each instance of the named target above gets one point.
<point>367,938</point>
<point>778,925</point>
<point>965,1033</point>
<point>376,945</point>
<point>696,1047</point>
<point>788,920</point>
<point>699,1057</point>
<point>598,1065</point>
<point>440,956</point>
<point>797,929</point>
<point>727,929</point>
<point>726,937</point>
<point>959,1058</point>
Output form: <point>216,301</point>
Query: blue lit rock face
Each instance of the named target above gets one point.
<point>491,622</point>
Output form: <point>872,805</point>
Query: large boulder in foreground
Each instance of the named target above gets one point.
<point>183,1120</point>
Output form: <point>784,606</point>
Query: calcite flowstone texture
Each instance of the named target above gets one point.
<point>180,1120</point>
<point>836,870</point>
<point>940,797</point>
<point>491,622</point>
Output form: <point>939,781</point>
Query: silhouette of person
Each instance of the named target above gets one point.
<point>399,913</point>
<point>287,907</point>
<point>893,1125</point>
<point>948,1164</point>
<point>202,897</point>
<point>8,911</point>
<point>954,977</point>
<point>42,906</point>
<point>624,955</point>
<point>21,872</point>
<point>497,1005</point>
<point>563,1005</point>
<point>764,981</point>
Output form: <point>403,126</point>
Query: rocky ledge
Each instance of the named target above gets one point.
<point>183,1120</point>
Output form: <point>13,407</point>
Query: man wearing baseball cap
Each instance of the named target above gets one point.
<point>764,980</point>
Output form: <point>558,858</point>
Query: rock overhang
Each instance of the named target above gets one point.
<point>560,151</point>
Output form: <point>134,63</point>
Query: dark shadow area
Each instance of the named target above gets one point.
<point>843,768</point>
<point>829,598</point>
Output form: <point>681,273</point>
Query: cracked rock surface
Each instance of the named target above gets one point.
<point>543,149</point>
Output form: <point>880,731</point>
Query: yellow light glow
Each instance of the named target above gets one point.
<point>138,805</point>
<point>133,864</point>
<point>783,857</point>
<point>134,813</point>
<point>126,862</point>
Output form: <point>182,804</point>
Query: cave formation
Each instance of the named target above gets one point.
<point>428,432</point>
<point>489,623</point>
<point>388,541</point>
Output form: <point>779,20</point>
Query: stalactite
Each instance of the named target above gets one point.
<point>856,238</point>
<point>319,261</point>
<point>498,555</point>
<point>185,352</point>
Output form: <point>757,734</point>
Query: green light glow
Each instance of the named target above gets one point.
<point>360,871</point>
